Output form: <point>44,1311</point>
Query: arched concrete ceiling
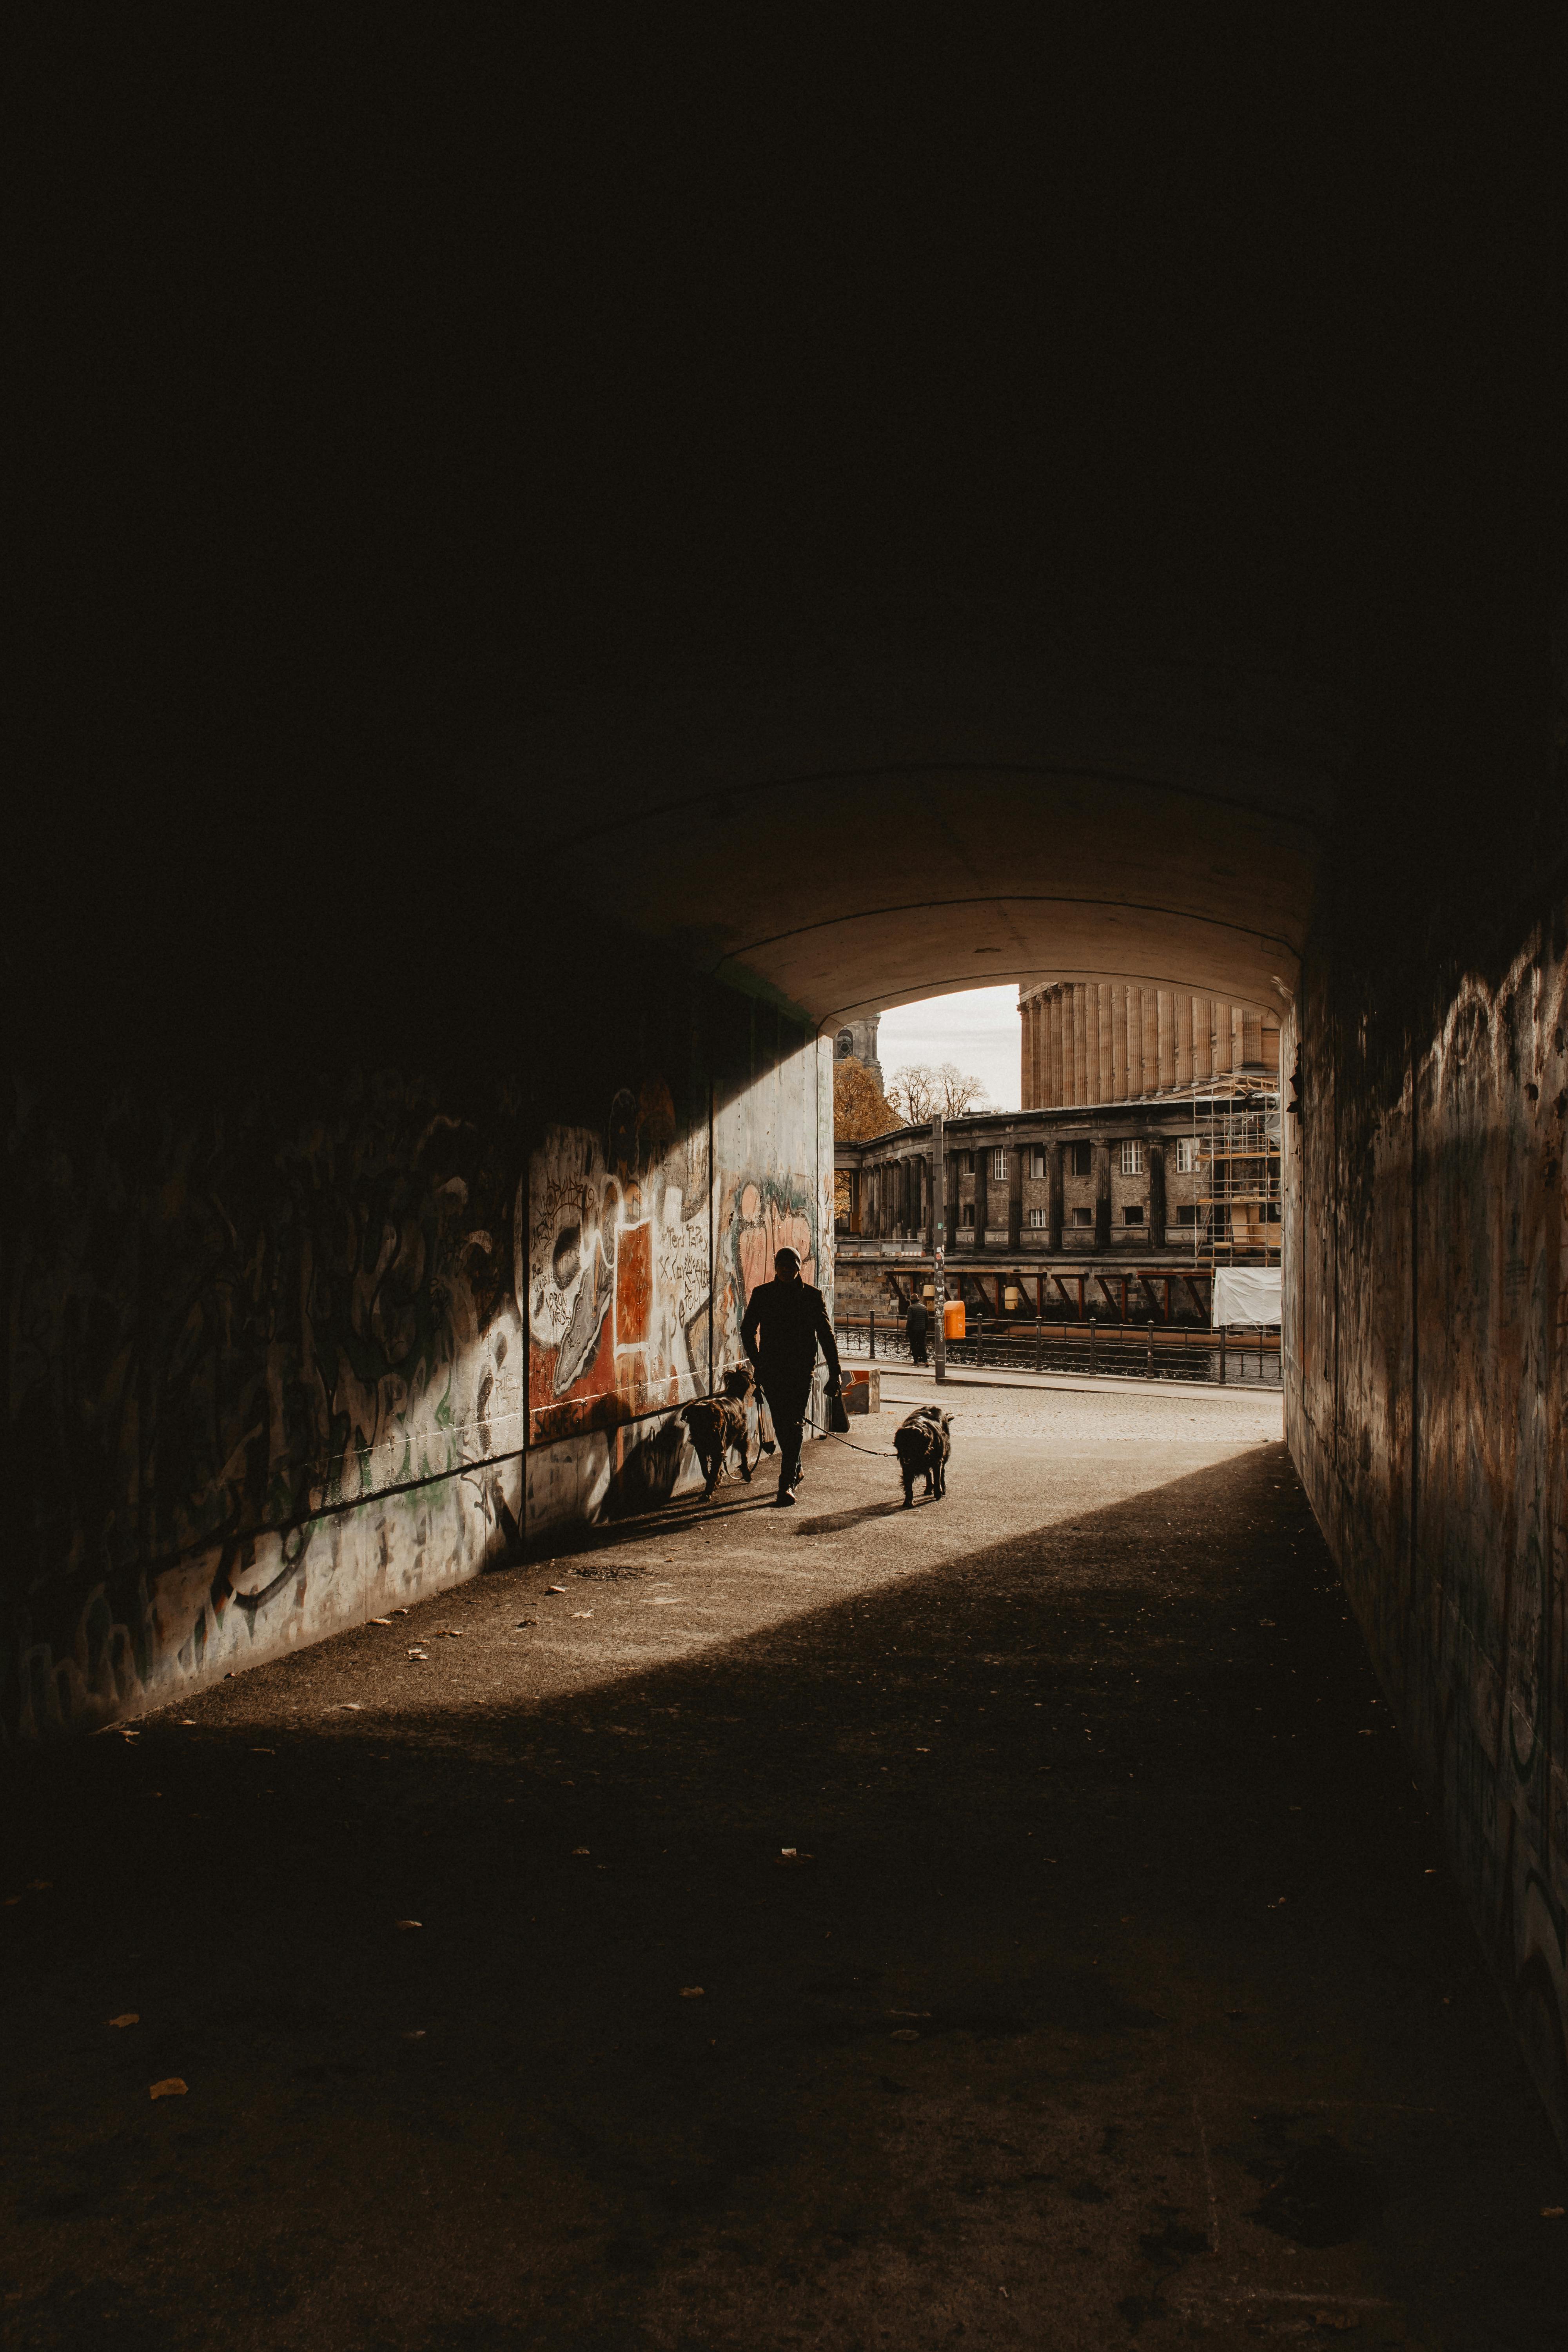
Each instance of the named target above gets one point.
<point>857,843</point>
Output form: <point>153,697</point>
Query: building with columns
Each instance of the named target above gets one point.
<point>1111,1041</point>
<point>1148,1141</point>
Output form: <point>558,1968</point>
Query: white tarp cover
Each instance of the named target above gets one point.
<point>1246,1293</point>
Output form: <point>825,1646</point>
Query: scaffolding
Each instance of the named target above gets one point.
<point>1237,1133</point>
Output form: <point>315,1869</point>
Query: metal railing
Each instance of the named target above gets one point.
<point>1132,1350</point>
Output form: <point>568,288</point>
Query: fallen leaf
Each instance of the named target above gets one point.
<point>555,1588</point>
<point>353,1706</point>
<point>188,1722</point>
<point>264,1752</point>
<point>171,2087</point>
<point>581,1613</point>
<point>411,1923</point>
<point>39,1885</point>
<point>131,2017</point>
<point>581,1849</point>
<point>381,1620</point>
<point>525,1621</point>
<point>417,2034</point>
<point>1551,2213</point>
<point>691,1992</point>
<point>904,2033</point>
<point>1267,1620</point>
<point>400,1612</point>
<point>11,1901</point>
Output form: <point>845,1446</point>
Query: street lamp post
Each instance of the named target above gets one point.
<point>939,1235</point>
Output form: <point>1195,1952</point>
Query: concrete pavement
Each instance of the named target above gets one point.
<point>1113,1993</point>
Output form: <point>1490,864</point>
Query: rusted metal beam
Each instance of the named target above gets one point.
<point>1150,1293</point>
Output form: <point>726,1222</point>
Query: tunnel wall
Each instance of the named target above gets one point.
<point>1426,1327</point>
<point>266,1338</point>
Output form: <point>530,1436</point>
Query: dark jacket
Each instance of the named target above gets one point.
<point>783,1327</point>
<point>915,1322</point>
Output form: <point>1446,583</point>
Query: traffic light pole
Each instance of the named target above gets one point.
<point>938,1234</point>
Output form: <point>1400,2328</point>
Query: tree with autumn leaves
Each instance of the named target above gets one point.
<point>861,1111</point>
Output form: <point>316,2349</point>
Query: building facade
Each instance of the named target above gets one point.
<point>1090,1042</point>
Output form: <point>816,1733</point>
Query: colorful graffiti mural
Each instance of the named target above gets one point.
<point>274,1364</point>
<point>644,1243</point>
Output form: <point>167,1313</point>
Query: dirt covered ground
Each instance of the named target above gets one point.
<point>1005,1923</point>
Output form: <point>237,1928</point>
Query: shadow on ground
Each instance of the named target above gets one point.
<point>1113,1991</point>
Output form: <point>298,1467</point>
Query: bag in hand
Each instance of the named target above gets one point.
<point>837,1415</point>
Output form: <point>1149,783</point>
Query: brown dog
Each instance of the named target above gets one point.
<point>718,1427</point>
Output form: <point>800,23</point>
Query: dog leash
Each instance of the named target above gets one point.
<point>881,1452</point>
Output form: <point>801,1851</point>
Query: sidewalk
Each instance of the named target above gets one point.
<point>895,1368</point>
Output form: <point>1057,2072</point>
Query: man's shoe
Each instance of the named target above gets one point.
<point>785,1496</point>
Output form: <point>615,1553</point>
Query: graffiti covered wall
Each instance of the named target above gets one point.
<point>644,1240</point>
<point>1428,1334</point>
<point>252,1356</point>
<point>278,1363</point>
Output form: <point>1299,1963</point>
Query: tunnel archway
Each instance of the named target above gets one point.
<point>465,780</point>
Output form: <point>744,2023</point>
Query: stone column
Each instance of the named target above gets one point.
<point>1151,1041</point>
<point>1134,1042</point>
<point>1202,1050</point>
<point>1252,1037</point>
<point>1220,1055</point>
<point>1026,1050</point>
<point>950,1196</point>
<point>1056,1070</point>
<point>1072,1047</point>
<point>1039,1053</point>
<point>1107,1041</point>
<point>1091,1044</point>
<point>1167,1038</point>
<point>1154,1149</point>
<point>1237,1036</point>
<point>982,1196</point>
<point>1102,1196</point>
<point>1119,1040</point>
<point>1184,1038</point>
<point>1054,1197</point>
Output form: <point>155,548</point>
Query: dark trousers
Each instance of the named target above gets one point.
<point>788,1400</point>
<point>917,1350</point>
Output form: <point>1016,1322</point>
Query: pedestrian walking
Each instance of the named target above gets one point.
<point>784,1324</point>
<point>916,1324</point>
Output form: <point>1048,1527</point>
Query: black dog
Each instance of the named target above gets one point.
<point>921,1443</point>
<point>718,1427</point>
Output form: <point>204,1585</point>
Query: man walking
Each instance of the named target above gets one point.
<point>784,1326</point>
<point>915,1323</point>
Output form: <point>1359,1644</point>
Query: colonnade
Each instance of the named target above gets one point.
<point>1086,1042</point>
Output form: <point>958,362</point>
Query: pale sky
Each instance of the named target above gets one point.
<point>977,1028</point>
